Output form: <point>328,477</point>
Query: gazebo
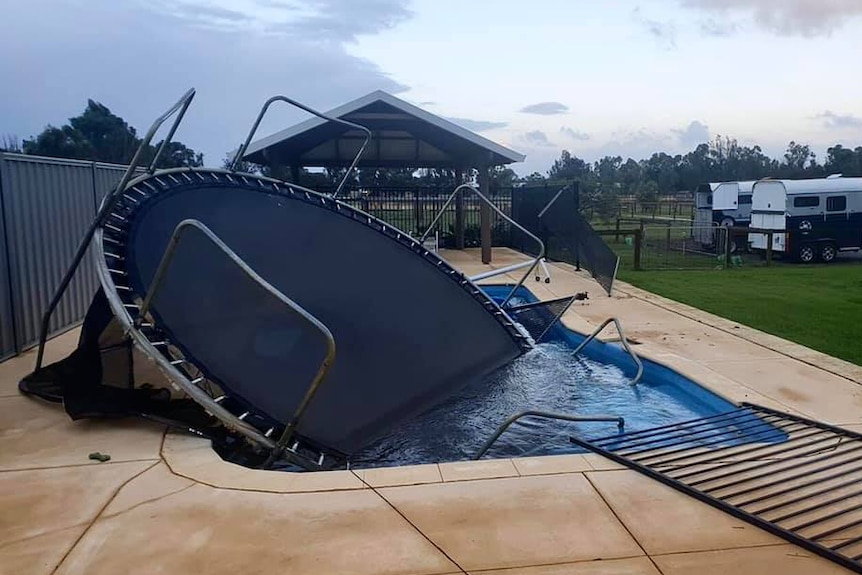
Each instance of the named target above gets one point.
<point>403,136</point>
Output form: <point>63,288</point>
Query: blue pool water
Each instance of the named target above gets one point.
<point>547,378</point>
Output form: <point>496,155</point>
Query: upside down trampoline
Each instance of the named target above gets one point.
<point>198,272</point>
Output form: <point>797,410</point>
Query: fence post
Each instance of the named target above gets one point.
<point>639,236</point>
<point>417,212</point>
<point>769,249</point>
<point>459,220</point>
<point>617,234</point>
<point>727,233</point>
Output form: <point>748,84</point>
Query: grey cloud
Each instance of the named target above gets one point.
<point>536,138</point>
<point>210,14</point>
<point>835,121</point>
<point>718,28</point>
<point>545,108</point>
<point>574,134</point>
<point>428,103</point>
<point>786,17</point>
<point>663,32</point>
<point>693,134</point>
<point>56,68</point>
<point>477,125</point>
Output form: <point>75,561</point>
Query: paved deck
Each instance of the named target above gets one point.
<point>165,503</point>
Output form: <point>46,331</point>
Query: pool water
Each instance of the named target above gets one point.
<point>547,378</point>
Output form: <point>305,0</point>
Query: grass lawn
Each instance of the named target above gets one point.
<point>819,306</point>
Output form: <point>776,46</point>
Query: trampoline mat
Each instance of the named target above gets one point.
<point>407,333</point>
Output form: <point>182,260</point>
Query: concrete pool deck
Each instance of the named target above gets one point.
<point>166,503</point>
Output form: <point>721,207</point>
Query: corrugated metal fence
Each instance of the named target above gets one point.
<point>46,205</point>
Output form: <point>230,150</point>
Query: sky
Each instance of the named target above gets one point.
<point>628,77</point>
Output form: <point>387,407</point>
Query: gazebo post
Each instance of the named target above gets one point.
<point>294,174</point>
<point>485,213</point>
<point>459,211</point>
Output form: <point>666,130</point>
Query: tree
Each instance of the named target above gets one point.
<point>799,161</point>
<point>98,134</point>
<point>10,143</point>
<point>841,160</point>
<point>569,167</point>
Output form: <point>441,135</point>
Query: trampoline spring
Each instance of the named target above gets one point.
<point>244,415</point>
<point>159,182</point>
<point>143,194</point>
<point>118,272</point>
<point>152,188</point>
<point>113,241</point>
<point>145,325</point>
<point>122,288</point>
<point>295,446</point>
<point>178,362</point>
<point>118,216</point>
<point>229,178</point>
<point>220,398</point>
<point>114,228</point>
<point>115,256</point>
<point>197,380</point>
<point>269,432</point>
<point>162,343</point>
<point>186,176</point>
<point>132,306</point>
<point>130,198</point>
<point>320,460</point>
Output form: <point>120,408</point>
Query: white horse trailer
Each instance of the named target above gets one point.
<point>725,204</point>
<point>815,219</point>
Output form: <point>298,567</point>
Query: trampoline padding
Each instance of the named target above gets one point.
<point>406,334</point>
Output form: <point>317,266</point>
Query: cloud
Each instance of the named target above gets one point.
<point>59,64</point>
<point>834,121</point>
<point>693,134</point>
<point>718,28</point>
<point>545,108</point>
<point>786,17</point>
<point>478,125</point>
<point>663,32</point>
<point>574,134</point>
<point>536,138</point>
<point>326,20</point>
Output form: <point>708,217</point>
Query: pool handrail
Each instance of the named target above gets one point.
<point>623,341</point>
<point>548,415</point>
<point>242,149</point>
<point>499,212</point>
<point>209,403</point>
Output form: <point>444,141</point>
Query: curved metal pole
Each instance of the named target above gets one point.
<point>502,215</point>
<point>623,341</point>
<point>548,415</point>
<point>107,204</point>
<point>164,264</point>
<point>241,152</point>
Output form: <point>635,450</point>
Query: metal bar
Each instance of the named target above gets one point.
<point>812,422</point>
<point>502,215</point>
<point>806,463</point>
<point>798,487</point>
<point>838,529</point>
<point>689,438</point>
<point>812,546</point>
<point>499,271</point>
<point>810,495</point>
<point>785,479</point>
<point>623,341</point>
<point>849,543</point>
<point>548,415</point>
<point>736,454</point>
<point>167,257</point>
<point>820,505</point>
<point>856,447</point>
<point>107,204</point>
<point>673,426</point>
<point>242,149</point>
<point>829,517</point>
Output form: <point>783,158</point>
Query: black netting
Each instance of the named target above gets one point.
<point>567,235</point>
<point>537,318</point>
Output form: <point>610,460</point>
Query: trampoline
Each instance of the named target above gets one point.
<point>275,307</point>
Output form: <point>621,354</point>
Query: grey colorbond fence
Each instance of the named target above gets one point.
<point>46,205</point>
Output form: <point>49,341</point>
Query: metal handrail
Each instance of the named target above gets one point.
<point>167,258</point>
<point>107,204</point>
<point>548,415</point>
<point>623,341</point>
<point>499,212</point>
<point>242,149</point>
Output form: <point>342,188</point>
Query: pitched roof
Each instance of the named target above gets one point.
<point>404,136</point>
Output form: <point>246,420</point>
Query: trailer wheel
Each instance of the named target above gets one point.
<point>828,252</point>
<point>805,254</point>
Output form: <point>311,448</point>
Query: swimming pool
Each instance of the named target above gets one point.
<point>550,379</point>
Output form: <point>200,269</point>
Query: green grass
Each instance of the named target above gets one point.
<point>819,306</point>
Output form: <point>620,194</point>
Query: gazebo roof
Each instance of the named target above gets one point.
<point>404,136</point>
